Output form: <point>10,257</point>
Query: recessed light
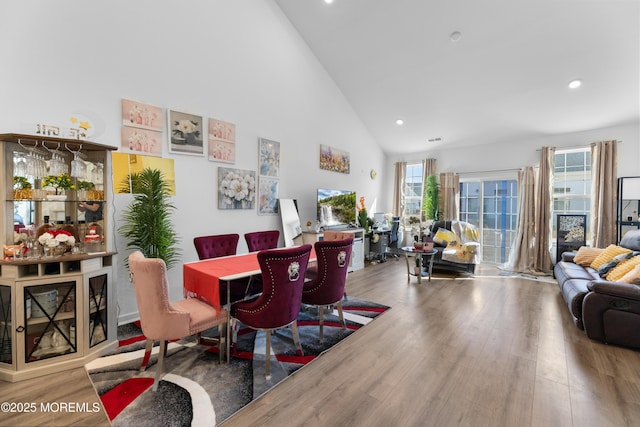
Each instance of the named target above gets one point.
<point>455,36</point>
<point>575,84</point>
<point>328,1</point>
<point>399,122</point>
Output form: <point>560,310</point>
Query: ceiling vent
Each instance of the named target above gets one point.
<point>436,139</point>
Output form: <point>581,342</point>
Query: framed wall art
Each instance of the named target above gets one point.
<point>268,190</point>
<point>222,141</point>
<point>185,133</point>
<point>141,141</point>
<point>269,157</point>
<point>236,188</point>
<point>335,160</point>
<point>141,115</point>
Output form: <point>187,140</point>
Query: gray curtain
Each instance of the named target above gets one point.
<point>542,261</point>
<point>522,254</point>
<point>604,171</point>
<point>398,188</point>
<point>449,192</point>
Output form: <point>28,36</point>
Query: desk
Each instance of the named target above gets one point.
<point>202,278</point>
<point>420,271</point>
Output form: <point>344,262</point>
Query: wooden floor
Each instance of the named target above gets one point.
<point>482,351</point>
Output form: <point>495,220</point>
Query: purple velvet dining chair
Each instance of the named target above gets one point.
<point>261,240</point>
<point>283,272</point>
<point>328,287</point>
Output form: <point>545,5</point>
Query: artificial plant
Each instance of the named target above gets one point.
<point>148,226</point>
<point>431,202</point>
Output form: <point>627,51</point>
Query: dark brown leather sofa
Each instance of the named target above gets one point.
<point>607,311</point>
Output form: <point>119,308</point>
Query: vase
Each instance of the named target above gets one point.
<point>190,138</point>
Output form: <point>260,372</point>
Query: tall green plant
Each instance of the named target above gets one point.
<point>148,225</point>
<point>431,201</point>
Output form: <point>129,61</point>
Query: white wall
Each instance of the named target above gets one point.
<point>239,61</point>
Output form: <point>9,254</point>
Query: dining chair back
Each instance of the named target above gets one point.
<point>328,287</point>
<point>216,246</point>
<point>220,245</point>
<point>261,240</point>
<point>278,306</point>
<point>162,320</point>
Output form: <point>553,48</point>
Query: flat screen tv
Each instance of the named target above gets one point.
<point>336,208</point>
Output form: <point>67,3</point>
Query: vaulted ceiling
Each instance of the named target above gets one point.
<point>464,72</point>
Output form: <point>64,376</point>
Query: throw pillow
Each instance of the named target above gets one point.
<point>608,266</point>
<point>623,268</point>
<point>586,255</point>
<point>632,277</point>
<point>443,237</point>
<point>607,255</point>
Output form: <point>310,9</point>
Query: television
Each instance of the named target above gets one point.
<point>336,208</point>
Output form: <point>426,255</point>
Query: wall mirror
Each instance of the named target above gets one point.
<point>292,231</point>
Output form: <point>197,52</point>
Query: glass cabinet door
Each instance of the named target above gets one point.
<point>50,319</point>
<point>6,349</point>
<point>97,309</point>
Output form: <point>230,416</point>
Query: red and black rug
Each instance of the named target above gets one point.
<point>196,389</point>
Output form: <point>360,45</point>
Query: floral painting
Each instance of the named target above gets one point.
<point>268,196</point>
<point>185,133</point>
<point>141,141</point>
<point>236,188</point>
<point>269,157</point>
<point>140,115</point>
<point>332,159</point>
<point>222,141</point>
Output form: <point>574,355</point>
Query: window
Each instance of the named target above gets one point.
<point>492,206</point>
<point>413,190</point>
<point>571,185</point>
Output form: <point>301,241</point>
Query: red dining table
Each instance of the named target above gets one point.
<point>202,278</point>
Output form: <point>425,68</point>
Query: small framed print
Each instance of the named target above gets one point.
<point>222,141</point>
<point>141,141</point>
<point>268,195</point>
<point>140,115</point>
<point>269,157</point>
<point>185,133</point>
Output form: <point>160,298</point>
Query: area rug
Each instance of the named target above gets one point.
<point>197,390</point>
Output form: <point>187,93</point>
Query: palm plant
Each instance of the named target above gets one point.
<point>148,225</point>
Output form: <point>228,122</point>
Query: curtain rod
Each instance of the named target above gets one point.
<point>490,171</point>
<point>619,141</point>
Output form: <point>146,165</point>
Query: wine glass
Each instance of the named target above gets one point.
<point>19,165</point>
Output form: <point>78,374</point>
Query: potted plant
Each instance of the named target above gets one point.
<point>148,226</point>
<point>59,183</point>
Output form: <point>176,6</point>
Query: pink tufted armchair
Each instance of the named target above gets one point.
<point>283,272</point>
<point>328,286</point>
<point>163,320</point>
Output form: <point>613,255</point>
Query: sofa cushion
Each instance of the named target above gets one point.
<point>587,255</point>
<point>623,268</point>
<point>631,240</point>
<point>607,255</point>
